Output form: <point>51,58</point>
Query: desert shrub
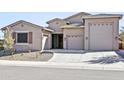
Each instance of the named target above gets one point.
<point>8,39</point>
<point>5,53</point>
<point>1,45</point>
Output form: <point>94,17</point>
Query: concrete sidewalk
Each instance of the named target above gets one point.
<point>119,66</point>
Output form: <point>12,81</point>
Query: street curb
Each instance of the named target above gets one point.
<point>59,65</point>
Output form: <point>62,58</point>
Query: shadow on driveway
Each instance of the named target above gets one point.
<point>108,59</point>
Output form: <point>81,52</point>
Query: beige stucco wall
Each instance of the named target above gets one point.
<point>56,25</point>
<point>115,31</point>
<point>72,32</point>
<point>37,36</point>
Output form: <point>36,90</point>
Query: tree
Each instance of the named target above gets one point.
<point>122,34</point>
<point>8,40</point>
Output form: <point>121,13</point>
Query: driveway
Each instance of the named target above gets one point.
<point>66,57</point>
<point>97,57</point>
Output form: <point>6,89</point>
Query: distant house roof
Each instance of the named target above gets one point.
<point>22,21</point>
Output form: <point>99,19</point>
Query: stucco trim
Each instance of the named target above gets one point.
<point>88,36</point>
<point>71,26</point>
<point>113,38</point>
<point>21,31</point>
<point>22,44</point>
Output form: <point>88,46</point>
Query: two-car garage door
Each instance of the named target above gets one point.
<point>101,36</point>
<point>74,38</point>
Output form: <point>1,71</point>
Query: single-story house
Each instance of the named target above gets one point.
<point>82,31</point>
<point>29,36</point>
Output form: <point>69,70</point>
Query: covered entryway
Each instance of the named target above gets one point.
<point>101,36</point>
<point>75,42</point>
<point>57,41</point>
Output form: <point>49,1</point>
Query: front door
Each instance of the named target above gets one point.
<point>57,41</point>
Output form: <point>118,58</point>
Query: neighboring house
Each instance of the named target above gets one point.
<point>28,36</point>
<point>81,31</point>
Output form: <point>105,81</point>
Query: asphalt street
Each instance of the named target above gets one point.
<point>42,73</point>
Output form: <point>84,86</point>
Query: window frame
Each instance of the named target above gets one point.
<point>18,32</point>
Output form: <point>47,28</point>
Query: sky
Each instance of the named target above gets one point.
<point>39,18</point>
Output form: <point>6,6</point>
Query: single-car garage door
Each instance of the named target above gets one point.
<point>101,36</point>
<point>75,42</point>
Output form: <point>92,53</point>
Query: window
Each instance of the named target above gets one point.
<point>22,38</point>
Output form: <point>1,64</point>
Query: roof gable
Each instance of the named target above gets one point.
<point>18,22</point>
<point>22,21</point>
<point>75,15</point>
<point>55,19</point>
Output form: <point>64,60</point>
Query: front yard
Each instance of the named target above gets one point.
<point>28,56</point>
<point>100,57</point>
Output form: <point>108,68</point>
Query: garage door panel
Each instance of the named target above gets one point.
<point>101,36</point>
<point>75,42</point>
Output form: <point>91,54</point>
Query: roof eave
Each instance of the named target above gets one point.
<point>64,27</point>
<point>53,20</point>
<point>76,15</point>
<point>20,21</point>
<point>46,29</point>
<point>97,17</point>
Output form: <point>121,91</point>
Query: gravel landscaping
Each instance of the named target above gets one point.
<point>32,56</point>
